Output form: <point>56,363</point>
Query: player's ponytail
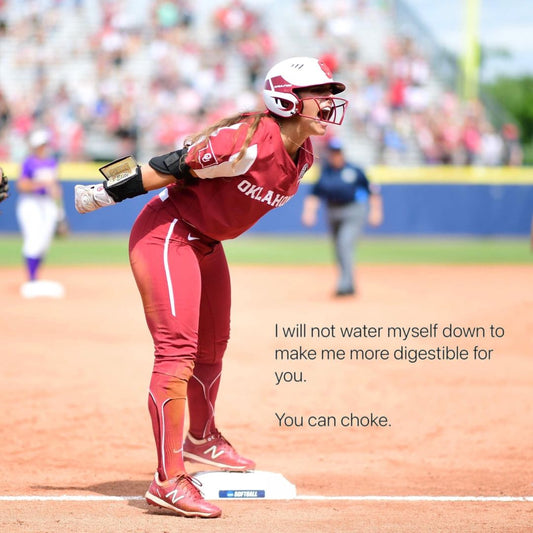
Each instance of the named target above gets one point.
<point>254,118</point>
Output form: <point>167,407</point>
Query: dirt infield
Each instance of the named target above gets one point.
<point>74,384</point>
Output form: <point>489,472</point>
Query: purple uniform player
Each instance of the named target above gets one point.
<point>39,204</point>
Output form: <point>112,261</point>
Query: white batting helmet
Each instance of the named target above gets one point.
<point>287,76</point>
<point>39,138</point>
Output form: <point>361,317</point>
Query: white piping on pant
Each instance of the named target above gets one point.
<point>161,431</point>
<point>167,270</point>
<point>206,395</point>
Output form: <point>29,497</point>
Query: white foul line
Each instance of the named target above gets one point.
<point>421,498</point>
<point>91,498</point>
<point>68,498</point>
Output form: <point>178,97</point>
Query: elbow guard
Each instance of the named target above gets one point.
<point>123,179</point>
<point>174,164</point>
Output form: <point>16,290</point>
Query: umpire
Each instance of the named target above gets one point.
<point>351,201</point>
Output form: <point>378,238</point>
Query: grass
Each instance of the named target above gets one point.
<point>110,250</point>
<point>72,250</point>
<point>381,250</point>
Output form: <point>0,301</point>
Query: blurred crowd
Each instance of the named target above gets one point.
<point>130,81</point>
<point>398,102</point>
<point>138,80</point>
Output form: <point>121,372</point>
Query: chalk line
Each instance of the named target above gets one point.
<point>420,498</point>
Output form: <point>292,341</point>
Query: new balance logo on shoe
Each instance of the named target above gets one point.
<point>215,450</point>
<point>214,453</point>
<point>173,495</point>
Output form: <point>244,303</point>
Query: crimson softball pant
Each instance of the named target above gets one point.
<point>183,279</point>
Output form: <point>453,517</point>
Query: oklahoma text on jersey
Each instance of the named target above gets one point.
<point>256,192</point>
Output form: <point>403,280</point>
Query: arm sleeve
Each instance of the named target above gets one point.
<point>172,163</point>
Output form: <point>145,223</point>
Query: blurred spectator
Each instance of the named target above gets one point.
<point>233,21</point>
<point>470,138</point>
<point>5,112</point>
<point>331,59</point>
<point>172,14</point>
<point>3,17</point>
<point>512,151</point>
<point>491,146</point>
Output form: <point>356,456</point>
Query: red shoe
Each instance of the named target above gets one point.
<point>215,450</point>
<point>180,495</point>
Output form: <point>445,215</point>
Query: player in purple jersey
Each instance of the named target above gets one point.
<point>39,206</point>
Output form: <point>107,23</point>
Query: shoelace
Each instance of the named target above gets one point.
<point>191,485</point>
<point>217,435</point>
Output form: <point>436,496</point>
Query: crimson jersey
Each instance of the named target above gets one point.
<point>230,198</point>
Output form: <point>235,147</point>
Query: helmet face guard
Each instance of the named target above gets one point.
<point>331,109</point>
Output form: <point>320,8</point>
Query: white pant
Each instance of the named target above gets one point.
<point>37,217</point>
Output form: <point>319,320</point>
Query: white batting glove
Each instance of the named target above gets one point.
<point>89,198</point>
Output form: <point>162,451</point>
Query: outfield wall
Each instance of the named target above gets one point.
<point>418,201</point>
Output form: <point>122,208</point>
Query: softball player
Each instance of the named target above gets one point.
<point>217,186</point>
<point>38,206</point>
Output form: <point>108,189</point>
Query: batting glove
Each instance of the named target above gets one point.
<point>89,198</point>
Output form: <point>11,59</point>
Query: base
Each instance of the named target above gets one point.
<point>42,289</point>
<point>255,485</point>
